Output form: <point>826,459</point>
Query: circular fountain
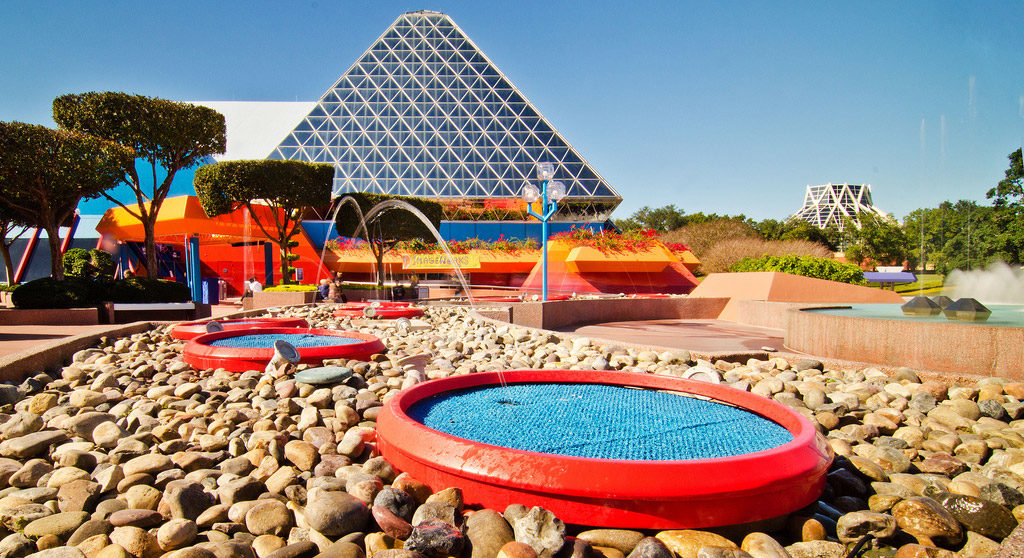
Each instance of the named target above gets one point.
<point>377,309</point>
<point>964,337</point>
<point>252,349</point>
<point>190,330</point>
<point>587,447</point>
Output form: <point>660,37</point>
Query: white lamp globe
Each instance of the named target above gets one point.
<point>545,171</point>
<point>530,193</point>
<point>556,191</point>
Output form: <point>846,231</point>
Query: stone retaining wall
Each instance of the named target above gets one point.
<point>971,349</point>
<point>565,313</point>
<point>49,316</point>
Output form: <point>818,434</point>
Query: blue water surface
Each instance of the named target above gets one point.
<point>1003,315</point>
<point>599,421</point>
<point>299,340</point>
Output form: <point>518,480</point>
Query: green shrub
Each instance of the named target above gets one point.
<point>79,262</point>
<point>290,288</point>
<point>7,288</point>
<point>144,289</point>
<point>72,292</point>
<point>808,266</point>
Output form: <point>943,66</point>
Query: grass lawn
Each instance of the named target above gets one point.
<point>927,285</point>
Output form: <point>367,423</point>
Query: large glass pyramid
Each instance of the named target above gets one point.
<point>425,113</point>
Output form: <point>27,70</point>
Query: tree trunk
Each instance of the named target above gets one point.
<point>152,260</point>
<point>5,251</point>
<point>56,258</point>
<point>378,254</point>
<point>285,278</point>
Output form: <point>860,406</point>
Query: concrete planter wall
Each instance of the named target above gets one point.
<point>270,299</point>
<point>124,313</point>
<point>555,315</point>
<point>49,316</point>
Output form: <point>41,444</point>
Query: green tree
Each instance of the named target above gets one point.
<point>11,229</point>
<point>92,264</point>
<point>44,173</point>
<point>164,134</point>
<point>1010,190</point>
<point>879,239</point>
<point>388,228</point>
<point>285,186</point>
<point>661,219</point>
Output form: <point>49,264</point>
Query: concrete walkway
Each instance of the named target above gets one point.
<point>17,338</point>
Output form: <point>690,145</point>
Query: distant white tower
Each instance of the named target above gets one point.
<point>828,204</point>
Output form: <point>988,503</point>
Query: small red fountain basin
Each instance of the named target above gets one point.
<point>190,330</point>
<point>609,492</point>
<point>203,351</point>
<point>386,310</point>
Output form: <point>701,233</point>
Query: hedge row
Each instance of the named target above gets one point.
<point>808,266</point>
<point>80,292</point>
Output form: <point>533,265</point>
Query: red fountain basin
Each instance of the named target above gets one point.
<point>652,494</point>
<point>201,355</point>
<point>386,310</point>
<point>190,330</point>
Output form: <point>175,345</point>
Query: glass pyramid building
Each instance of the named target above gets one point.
<point>423,112</point>
<point>828,205</point>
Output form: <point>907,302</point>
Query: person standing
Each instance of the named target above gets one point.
<point>338,285</point>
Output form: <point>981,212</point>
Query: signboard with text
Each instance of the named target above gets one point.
<point>440,261</point>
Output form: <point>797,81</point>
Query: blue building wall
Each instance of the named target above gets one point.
<point>321,231</point>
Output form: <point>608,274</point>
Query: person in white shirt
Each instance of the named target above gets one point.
<point>253,286</point>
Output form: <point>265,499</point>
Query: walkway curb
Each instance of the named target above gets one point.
<point>57,353</point>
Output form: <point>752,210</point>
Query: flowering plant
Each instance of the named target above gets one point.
<point>638,240</point>
<point>345,243</point>
<point>502,244</point>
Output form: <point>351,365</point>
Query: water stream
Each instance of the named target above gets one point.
<point>390,205</point>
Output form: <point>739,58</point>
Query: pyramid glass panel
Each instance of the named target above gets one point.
<point>426,113</point>
<point>830,204</point>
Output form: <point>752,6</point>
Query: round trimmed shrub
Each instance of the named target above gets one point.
<point>72,292</point>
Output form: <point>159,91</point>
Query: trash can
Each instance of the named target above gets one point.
<point>211,290</point>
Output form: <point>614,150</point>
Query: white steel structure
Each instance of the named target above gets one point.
<point>829,204</point>
<point>423,112</point>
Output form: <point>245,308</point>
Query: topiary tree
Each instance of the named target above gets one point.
<point>285,186</point>
<point>79,262</point>
<point>44,173</point>
<point>165,134</point>
<point>388,228</point>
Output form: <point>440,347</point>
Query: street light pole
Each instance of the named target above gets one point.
<point>549,204</point>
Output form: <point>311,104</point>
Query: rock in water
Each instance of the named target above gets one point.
<point>979,515</point>
<point>854,525</point>
<point>925,520</point>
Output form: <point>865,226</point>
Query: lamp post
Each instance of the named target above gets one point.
<point>549,193</point>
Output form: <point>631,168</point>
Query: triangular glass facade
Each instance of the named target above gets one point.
<point>829,204</point>
<point>425,113</point>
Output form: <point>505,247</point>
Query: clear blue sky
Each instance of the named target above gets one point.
<point>727,107</point>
